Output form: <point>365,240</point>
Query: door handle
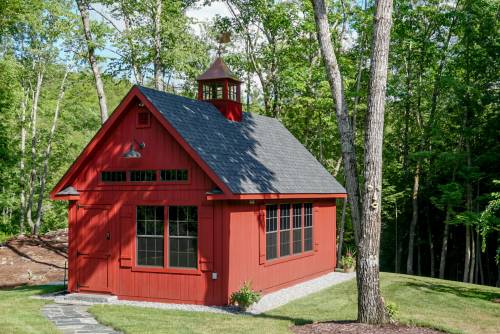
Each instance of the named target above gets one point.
<point>108,236</point>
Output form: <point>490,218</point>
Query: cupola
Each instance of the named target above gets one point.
<point>221,88</point>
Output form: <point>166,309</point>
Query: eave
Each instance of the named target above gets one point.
<point>66,197</point>
<point>222,197</point>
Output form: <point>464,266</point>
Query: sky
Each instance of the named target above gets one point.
<point>207,13</point>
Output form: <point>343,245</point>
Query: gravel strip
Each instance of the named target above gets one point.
<point>281,297</point>
<point>268,302</point>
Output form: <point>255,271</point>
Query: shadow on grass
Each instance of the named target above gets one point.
<point>32,289</point>
<point>459,291</point>
<point>295,321</point>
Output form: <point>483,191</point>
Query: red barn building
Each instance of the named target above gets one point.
<point>181,200</point>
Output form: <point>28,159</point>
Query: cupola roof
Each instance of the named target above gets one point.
<point>218,70</point>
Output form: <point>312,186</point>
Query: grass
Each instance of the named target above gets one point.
<point>450,306</point>
<point>21,314</point>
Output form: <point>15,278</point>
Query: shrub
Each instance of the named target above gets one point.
<point>392,311</point>
<point>245,296</point>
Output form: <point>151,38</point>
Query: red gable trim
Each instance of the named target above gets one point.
<point>219,197</point>
<point>91,146</point>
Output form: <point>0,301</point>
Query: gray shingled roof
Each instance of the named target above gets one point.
<point>256,155</point>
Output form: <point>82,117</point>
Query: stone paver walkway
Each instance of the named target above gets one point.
<point>73,319</point>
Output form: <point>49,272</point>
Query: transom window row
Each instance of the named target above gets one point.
<point>294,233</point>
<point>182,236</point>
<point>148,175</point>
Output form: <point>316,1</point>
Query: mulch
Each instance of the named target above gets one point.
<point>30,260</point>
<point>349,327</point>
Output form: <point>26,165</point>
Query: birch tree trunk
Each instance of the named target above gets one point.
<point>33,125</point>
<point>99,86</point>
<point>157,41</point>
<point>22,181</point>
<point>341,112</point>
<point>43,177</point>
<point>370,304</point>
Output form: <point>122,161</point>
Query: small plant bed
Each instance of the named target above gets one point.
<point>351,327</point>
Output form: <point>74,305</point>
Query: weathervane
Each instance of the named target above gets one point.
<point>223,38</point>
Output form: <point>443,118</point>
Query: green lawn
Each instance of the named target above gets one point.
<point>446,305</point>
<point>451,306</point>
<point>21,314</point>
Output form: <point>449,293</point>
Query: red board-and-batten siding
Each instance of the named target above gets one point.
<point>231,233</point>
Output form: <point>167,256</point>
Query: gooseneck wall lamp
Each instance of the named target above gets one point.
<point>132,153</point>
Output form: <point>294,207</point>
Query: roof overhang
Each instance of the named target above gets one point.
<point>221,197</point>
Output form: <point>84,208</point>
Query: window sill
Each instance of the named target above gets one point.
<point>288,258</point>
<point>159,270</point>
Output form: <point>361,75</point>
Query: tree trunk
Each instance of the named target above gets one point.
<point>99,86</point>
<point>431,249</point>
<point>370,304</point>
<point>414,220</point>
<point>444,248</point>
<point>138,75</point>
<point>419,258</point>
<point>472,256</point>
<point>34,115</point>
<point>367,230</point>
<point>43,177</point>
<point>22,181</point>
<point>467,254</point>
<point>479,269</point>
<point>344,124</point>
<point>157,41</point>
<point>341,232</point>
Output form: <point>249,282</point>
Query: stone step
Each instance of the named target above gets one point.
<point>86,298</point>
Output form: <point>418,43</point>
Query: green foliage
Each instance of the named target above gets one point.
<point>245,296</point>
<point>348,260</point>
<point>441,109</point>
<point>392,311</point>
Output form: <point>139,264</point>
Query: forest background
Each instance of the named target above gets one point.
<point>65,65</point>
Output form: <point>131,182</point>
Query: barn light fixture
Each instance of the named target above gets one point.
<point>132,153</point>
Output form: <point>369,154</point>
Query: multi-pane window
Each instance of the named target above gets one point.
<point>173,175</point>
<point>308,227</point>
<point>271,232</point>
<point>183,236</point>
<point>284,229</point>
<point>143,119</point>
<point>213,91</point>
<point>233,92</point>
<point>149,221</point>
<point>142,175</point>
<point>297,228</point>
<point>113,176</point>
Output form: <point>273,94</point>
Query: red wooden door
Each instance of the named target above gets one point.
<point>94,249</point>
